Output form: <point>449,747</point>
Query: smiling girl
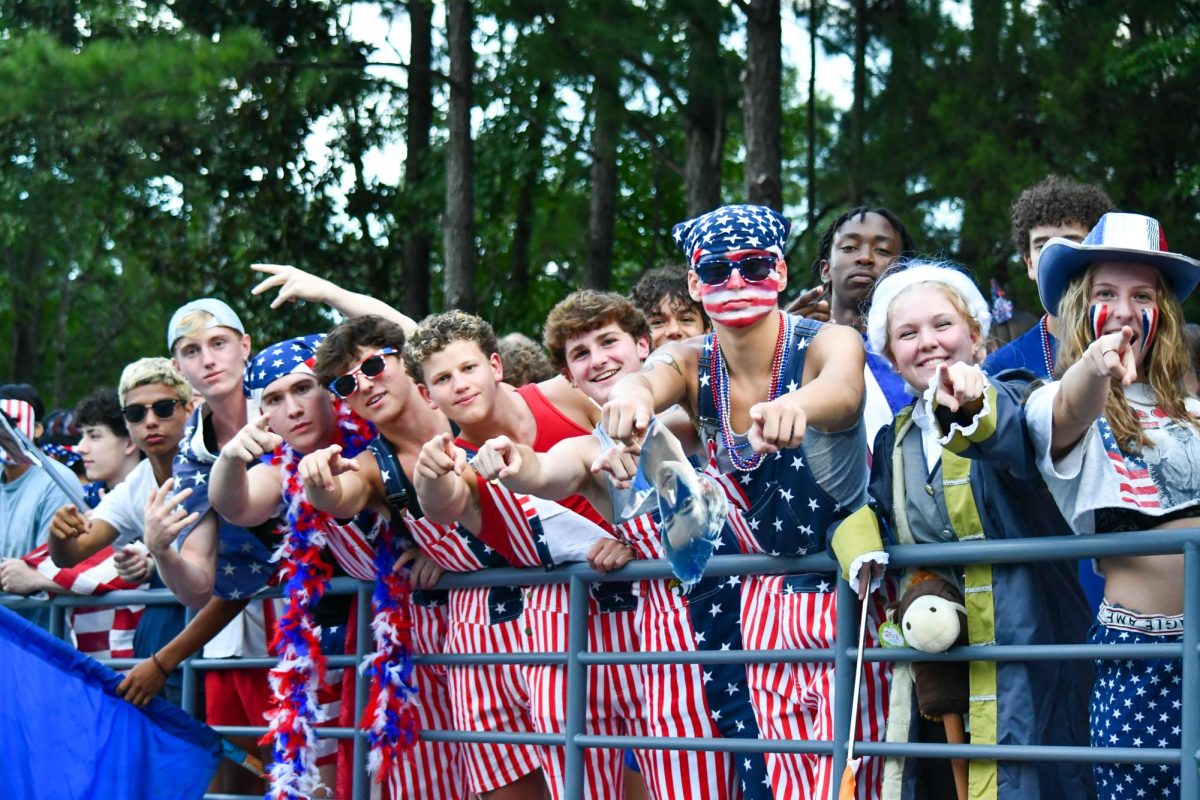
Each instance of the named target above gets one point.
<point>1119,445</point>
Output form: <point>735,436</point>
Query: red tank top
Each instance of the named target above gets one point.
<point>552,427</point>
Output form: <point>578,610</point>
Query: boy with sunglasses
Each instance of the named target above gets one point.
<point>155,401</point>
<point>360,362</point>
<point>777,401</point>
<point>454,358</point>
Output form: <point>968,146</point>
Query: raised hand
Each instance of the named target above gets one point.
<point>320,467</point>
<point>293,284</point>
<point>958,384</point>
<point>777,425</point>
<point>252,442</point>
<point>811,304</point>
<point>626,418</point>
<point>1112,355</point>
<point>621,462</point>
<point>498,458</point>
<point>68,523</point>
<point>165,516</point>
<point>440,456</point>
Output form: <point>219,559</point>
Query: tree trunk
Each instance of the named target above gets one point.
<point>858,109</point>
<point>602,210</point>
<point>458,226</point>
<point>417,239</point>
<point>704,117</point>
<point>527,193</point>
<point>810,155</point>
<point>762,103</point>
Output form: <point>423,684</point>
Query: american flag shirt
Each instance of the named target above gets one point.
<point>1100,473</point>
<point>243,555</point>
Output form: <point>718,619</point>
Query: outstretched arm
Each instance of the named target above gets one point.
<point>246,495</point>
<point>146,679</point>
<point>296,284</point>
<point>1085,386</point>
<point>660,384</point>
<point>562,471</point>
<point>74,536</point>
<point>445,486</point>
<point>340,486</point>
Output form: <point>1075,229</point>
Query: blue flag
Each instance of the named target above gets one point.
<point>66,735</point>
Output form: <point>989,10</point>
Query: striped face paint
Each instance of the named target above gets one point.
<point>1098,312</point>
<point>744,303</point>
<point>1149,327</point>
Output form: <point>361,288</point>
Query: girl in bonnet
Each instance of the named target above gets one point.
<point>1118,442</point>
<point>940,474</point>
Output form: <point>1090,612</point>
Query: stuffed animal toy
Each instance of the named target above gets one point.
<point>933,618</point>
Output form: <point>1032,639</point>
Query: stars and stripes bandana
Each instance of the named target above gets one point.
<point>272,363</point>
<point>732,228</point>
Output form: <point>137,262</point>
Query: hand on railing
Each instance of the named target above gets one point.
<point>609,554</point>
<point>134,563</point>
<point>423,572</point>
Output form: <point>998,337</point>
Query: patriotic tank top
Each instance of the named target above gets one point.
<point>780,507</point>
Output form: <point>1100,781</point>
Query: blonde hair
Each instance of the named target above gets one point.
<point>159,371</point>
<point>955,299</point>
<point>1165,364</point>
<point>191,324</point>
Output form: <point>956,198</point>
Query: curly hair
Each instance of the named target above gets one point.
<point>525,361</point>
<point>101,407</point>
<point>438,331</point>
<point>589,310</point>
<point>668,282</point>
<point>1165,365</point>
<point>1056,201</point>
<point>339,350</point>
<point>825,246</point>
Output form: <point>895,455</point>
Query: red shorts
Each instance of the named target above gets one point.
<point>237,697</point>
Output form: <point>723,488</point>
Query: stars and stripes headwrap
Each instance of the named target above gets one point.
<point>732,228</point>
<point>62,454</point>
<point>274,362</point>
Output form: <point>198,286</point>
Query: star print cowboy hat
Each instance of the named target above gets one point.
<point>1118,236</point>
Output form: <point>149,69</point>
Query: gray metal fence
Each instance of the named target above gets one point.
<point>843,655</point>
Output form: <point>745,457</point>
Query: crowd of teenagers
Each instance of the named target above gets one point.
<point>892,404</point>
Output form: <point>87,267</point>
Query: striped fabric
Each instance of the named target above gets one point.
<point>100,632</point>
<point>794,701</point>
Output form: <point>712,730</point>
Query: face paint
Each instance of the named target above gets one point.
<point>1149,327</point>
<point>743,306</point>
<point>1098,312</point>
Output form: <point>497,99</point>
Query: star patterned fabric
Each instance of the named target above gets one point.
<point>274,362</point>
<point>732,228</point>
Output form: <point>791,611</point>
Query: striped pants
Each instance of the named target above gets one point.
<point>488,698</point>
<point>794,701</point>
<point>613,692</point>
<point>431,769</point>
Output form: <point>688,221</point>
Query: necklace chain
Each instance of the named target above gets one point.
<point>720,393</point>
<point>1046,353</point>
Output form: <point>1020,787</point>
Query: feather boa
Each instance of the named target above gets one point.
<point>304,573</point>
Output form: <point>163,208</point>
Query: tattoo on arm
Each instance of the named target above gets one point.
<point>662,358</point>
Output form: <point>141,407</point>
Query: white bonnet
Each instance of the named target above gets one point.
<point>897,280</point>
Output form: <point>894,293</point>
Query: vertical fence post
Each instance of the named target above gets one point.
<point>363,644</point>
<point>577,641</point>
<point>843,676</point>
<point>57,623</point>
<point>188,684</point>
<point>1189,741</point>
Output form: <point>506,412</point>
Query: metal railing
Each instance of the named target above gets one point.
<point>576,658</point>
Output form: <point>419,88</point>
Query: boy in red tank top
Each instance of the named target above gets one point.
<point>453,358</point>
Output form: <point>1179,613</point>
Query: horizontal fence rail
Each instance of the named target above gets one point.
<point>577,658</point>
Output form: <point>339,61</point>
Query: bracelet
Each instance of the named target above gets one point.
<point>157,663</point>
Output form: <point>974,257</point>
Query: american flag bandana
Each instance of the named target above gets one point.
<point>272,363</point>
<point>732,228</point>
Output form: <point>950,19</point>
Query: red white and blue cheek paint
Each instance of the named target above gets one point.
<point>746,301</point>
<point>1098,312</point>
<point>1149,327</point>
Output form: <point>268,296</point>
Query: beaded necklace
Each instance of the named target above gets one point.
<point>1046,354</point>
<point>720,393</point>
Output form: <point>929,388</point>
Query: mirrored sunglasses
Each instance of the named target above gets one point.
<point>372,366</point>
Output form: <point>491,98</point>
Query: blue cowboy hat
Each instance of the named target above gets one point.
<point>1121,237</point>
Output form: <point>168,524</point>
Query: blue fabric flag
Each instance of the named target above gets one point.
<point>65,735</point>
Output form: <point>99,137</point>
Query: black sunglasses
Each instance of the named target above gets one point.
<point>715,271</point>
<point>163,409</point>
<point>372,366</point>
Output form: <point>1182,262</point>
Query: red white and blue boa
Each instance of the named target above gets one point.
<point>305,573</point>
